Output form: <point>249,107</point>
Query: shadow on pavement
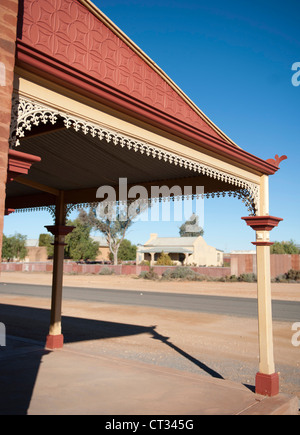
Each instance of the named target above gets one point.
<point>26,330</point>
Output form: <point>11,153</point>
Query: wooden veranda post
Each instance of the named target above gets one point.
<point>267,380</point>
<point>55,338</point>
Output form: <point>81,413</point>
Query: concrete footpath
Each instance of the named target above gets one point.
<point>35,381</point>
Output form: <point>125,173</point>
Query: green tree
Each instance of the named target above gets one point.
<point>47,240</point>
<point>191,228</point>
<point>113,226</point>
<point>285,248</point>
<point>7,249</point>
<point>127,251</point>
<point>14,247</point>
<point>80,246</point>
<point>113,220</point>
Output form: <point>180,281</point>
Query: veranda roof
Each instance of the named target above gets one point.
<point>95,108</point>
<point>172,241</point>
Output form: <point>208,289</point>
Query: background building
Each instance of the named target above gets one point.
<point>192,251</point>
<point>36,253</point>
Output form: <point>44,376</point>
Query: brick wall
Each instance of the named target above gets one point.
<point>72,267</point>
<point>280,263</point>
<point>242,263</point>
<point>8,30</point>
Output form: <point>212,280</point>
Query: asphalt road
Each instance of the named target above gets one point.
<point>286,311</point>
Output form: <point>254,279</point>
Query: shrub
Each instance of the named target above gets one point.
<point>247,277</point>
<point>232,278</point>
<point>183,273</point>
<point>281,278</point>
<point>196,277</point>
<point>293,275</point>
<point>167,275</point>
<point>106,271</point>
<point>149,275</point>
<point>144,263</point>
<point>178,273</point>
<point>290,276</point>
<point>143,274</point>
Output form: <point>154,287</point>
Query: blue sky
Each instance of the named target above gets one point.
<point>234,60</point>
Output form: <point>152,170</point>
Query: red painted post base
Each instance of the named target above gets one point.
<point>54,342</point>
<point>267,385</point>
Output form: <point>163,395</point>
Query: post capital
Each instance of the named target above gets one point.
<point>19,163</point>
<point>59,231</point>
<point>262,223</point>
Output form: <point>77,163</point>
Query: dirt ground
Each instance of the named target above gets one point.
<point>208,344</point>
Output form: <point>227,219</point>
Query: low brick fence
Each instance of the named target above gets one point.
<point>26,267</point>
<point>95,269</point>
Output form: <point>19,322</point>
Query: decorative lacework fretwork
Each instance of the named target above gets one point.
<point>26,113</point>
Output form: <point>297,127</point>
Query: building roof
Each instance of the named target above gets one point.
<point>32,243</point>
<point>171,241</point>
<point>101,240</point>
<point>166,249</point>
<point>243,252</point>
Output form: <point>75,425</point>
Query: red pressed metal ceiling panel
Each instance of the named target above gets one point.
<point>68,32</point>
